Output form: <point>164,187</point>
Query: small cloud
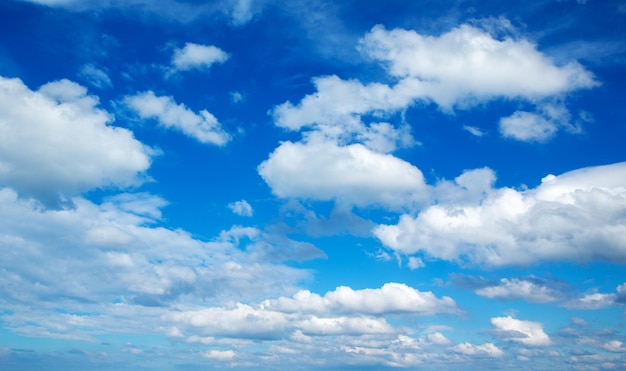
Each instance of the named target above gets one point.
<point>579,322</point>
<point>242,208</point>
<point>474,131</point>
<point>197,56</point>
<point>415,263</point>
<point>236,97</point>
<point>95,76</point>
<point>202,126</point>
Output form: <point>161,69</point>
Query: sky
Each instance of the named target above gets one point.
<point>312,185</point>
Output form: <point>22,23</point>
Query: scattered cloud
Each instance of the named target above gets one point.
<point>474,131</point>
<point>515,289</point>
<point>72,146</point>
<point>202,126</point>
<point>488,349</point>
<point>95,76</point>
<point>525,332</point>
<point>197,56</point>
<point>242,208</point>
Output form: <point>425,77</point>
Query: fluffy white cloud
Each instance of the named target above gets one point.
<point>320,169</point>
<point>468,65</point>
<point>577,216</point>
<point>241,207</point>
<point>343,311</point>
<point>196,56</point>
<point>203,127</point>
<point>594,300</point>
<point>71,147</point>
<point>514,289</point>
<point>524,332</point>
<point>488,349</point>
<point>390,298</point>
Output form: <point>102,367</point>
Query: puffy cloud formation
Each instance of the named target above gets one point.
<point>458,69</point>
<point>196,56</point>
<point>524,332</point>
<point>203,127</point>
<point>390,298</point>
<point>575,216</point>
<point>467,65</point>
<point>319,169</point>
<point>343,311</point>
<point>71,146</point>
<point>242,208</point>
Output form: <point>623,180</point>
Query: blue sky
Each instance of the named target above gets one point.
<point>253,184</point>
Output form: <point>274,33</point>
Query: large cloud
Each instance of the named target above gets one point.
<point>458,69</point>
<point>320,169</point>
<point>577,216</point>
<point>468,65</point>
<point>202,126</point>
<point>343,311</point>
<point>71,147</point>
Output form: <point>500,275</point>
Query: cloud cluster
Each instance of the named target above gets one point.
<point>72,146</point>
<point>576,216</point>
<point>202,126</point>
<point>525,332</point>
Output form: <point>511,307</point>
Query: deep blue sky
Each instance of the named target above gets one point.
<point>253,184</point>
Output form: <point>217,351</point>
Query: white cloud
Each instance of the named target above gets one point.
<point>71,147</point>
<point>468,65</point>
<point>594,300</point>
<point>615,346</point>
<point>390,298</point>
<point>567,217</point>
<point>343,311</point>
<point>524,332</point>
<point>242,208</point>
<point>222,355</point>
<point>514,289</point>
<point>95,76</point>
<point>415,263</point>
<point>536,126</point>
<point>474,131</point>
<point>196,56</point>
<point>202,126</point>
<point>488,349</point>
<point>319,169</point>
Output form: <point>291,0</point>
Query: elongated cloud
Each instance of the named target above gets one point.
<point>576,216</point>
<point>202,126</point>
<point>72,147</point>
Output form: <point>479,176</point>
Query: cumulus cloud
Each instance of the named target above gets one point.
<point>342,311</point>
<point>114,263</point>
<point>202,126</point>
<point>515,289</point>
<point>241,207</point>
<point>576,216</point>
<point>197,56</point>
<point>537,126</point>
<point>319,169</point>
<point>72,147</point>
<point>487,349</point>
<point>525,332</point>
<point>390,298</point>
<point>468,65</point>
